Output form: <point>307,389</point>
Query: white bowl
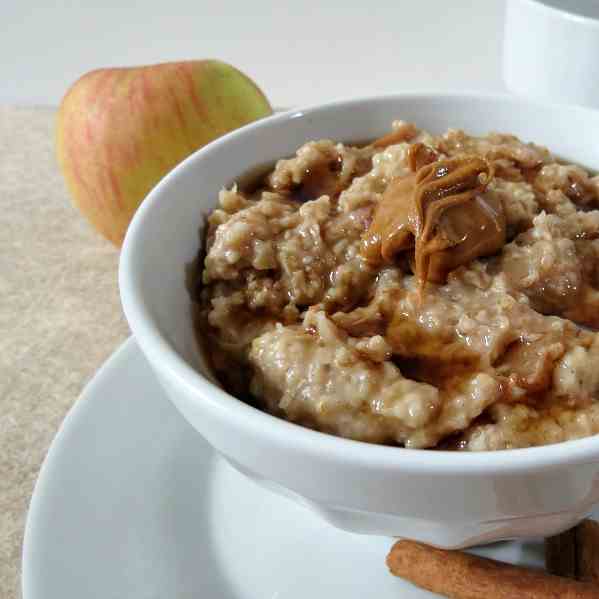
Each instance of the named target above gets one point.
<point>444,498</point>
<point>551,50</point>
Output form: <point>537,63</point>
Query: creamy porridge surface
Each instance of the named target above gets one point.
<point>420,291</point>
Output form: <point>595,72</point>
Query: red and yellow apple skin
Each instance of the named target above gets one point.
<point>120,130</point>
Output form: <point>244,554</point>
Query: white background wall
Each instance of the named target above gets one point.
<point>299,52</point>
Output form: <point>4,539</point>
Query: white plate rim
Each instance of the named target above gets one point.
<point>73,416</point>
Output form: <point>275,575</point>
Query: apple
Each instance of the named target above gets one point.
<point>120,130</point>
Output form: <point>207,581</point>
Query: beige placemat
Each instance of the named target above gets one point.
<point>60,315</point>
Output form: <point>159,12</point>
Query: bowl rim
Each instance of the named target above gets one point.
<point>324,446</point>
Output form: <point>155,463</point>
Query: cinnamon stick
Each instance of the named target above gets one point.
<point>587,551</point>
<point>560,554</point>
<point>459,575</point>
<point>575,552</point>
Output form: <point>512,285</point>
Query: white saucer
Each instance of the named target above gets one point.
<point>132,503</point>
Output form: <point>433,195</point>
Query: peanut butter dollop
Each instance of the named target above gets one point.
<point>437,212</point>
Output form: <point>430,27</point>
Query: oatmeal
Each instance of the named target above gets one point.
<point>423,291</point>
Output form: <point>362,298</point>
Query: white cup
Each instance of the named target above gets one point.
<point>551,50</point>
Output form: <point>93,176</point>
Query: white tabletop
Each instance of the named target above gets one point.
<point>299,52</point>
